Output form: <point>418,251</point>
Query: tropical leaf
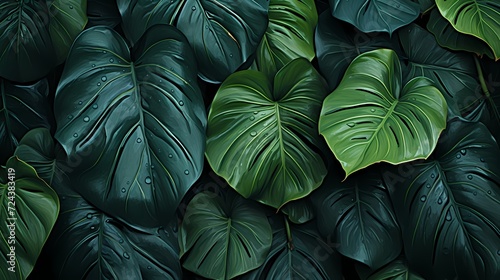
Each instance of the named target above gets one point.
<point>35,36</point>
<point>262,138</point>
<point>450,38</point>
<point>305,256</point>
<point>371,117</point>
<point>22,107</point>
<point>396,270</point>
<point>376,15</point>
<point>222,33</point>
<point>448,206</point>
<point>357,214</point>
<point>425,5</point>
<point>337,45</point>
<point>289,35</point>
<point>454,74</point>
<point>299,211</point>
<point>89,244</point>
<point>223,236</point>
<point>28,213</point>
<point>103,12</point>
<point>479,18</point>
<point>135,120</point>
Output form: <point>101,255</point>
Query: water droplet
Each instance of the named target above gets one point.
<point>474,193</point>
<point>95,106</point>
<point>152,167</point>
<point>111,60</point>
<point>350,124</point>
<point>93,65</point>
<point>104,78</point>
<point>75,135</point>
<point>170,155</point>
<point>440,201</point>
<point>123,190</point>
<point>463,152</point>
<point>172,90</point>
<point>469,177</point>
<point>161,81</point>
<point>428,186</point>
<point>70,117</point>
<point>489,192</point>
<point>149,267</point>
<point>459,156</point>
<point>181,103</point>
<point>86,119</point>
<point>193,8</point>
<point>413,99</point>
<point>71,7</point>
<point>448,216</point>
<point>108,220</point>
<point>481,159</point>
<point>432,175</point>
<point>252,118</point>
<point>253,133</point>
<point>255,112</point>
<point>148,180</point>
<point>230,55</point>
<point>104,51</point>
<point>89,216</point>
<point>80,102</point>
<point>372,110</point>
<point>352,199</point>
<point>186,172</point>
<point>139,140</point>
<point>126,255</point>
<point>423,198</point>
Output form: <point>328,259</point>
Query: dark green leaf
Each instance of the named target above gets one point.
<point>450,38</point>
<point>454,74</point>
<point>479,18</point>
<point>425,5</point>
<point>299,211</point>
<point>376,15</point>
<point>289,35</point>
<point>134,119</point>
<point>396,270</point>
<point>89,244</point>
<point>103,12</point>
<point>222,237</point>
<point>448,206</point>
<point>337,45</point>
<point>28,211</point>
<point>358,215</point>
<point>262,137</point>
<point>21,109</point>
<point>371,117</point>
<point>222,33</point>
<point>306,257</point>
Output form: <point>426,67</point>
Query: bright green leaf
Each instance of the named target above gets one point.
<point>371,117</point>
<point>224,236</point>
<point>262,137</point>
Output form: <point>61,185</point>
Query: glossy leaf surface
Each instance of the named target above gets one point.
<point>262,137</point>
<point>372,117</point>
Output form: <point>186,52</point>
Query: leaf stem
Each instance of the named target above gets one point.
<point>484,87</point>
<point>288,234</point>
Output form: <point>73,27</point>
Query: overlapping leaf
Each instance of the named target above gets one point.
<point>396,270</point>
<point>224,236</point>
<point>376,15</point>
<point>372,117</point>
<point>22,107</point>
<point>222,33</point>
<point>29,208</point>
<point>134,120</point>
<point>480,18</point>
<point>262,136</point>
<point>448,206</point>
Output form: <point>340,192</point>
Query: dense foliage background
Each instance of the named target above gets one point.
<point>169,139</point>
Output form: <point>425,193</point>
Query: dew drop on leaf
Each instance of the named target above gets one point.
<point>93,65</point>
<point>252,118</point>
<point>253,133</point>
<point>71,7</point>
<point>126,255</point>
<point>170,155</point>
<point>80,102</point>
<point>181,103</point>
<point>92,227</point>
<point>469,177</point>
<point>186,172</point>
<point>428,186</point>
<point>423,198</point>
<point>120,241</point>
<point>350,124</point>
<point>440,201</point>
<point>481,159</point>
<point>89,216</point>
<point>75,135</point>
<point>448,216</point>
<point>86,119</point>
<point>149,267</point>
<point>148,180</point>
<point>139,140</point>
<point>104,78</point>
<point>489,192</point>
<point>255,112</point>
<point>193,8</point>
<point>372,110</point>
<point>70,117</point>
<point>123,190</point>
<point>111,60</point>
<point>459,156</point>
<point>433,176</point>
<point>463,152</point>
<point>95,106</point>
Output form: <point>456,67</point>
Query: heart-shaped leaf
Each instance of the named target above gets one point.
<point>337,45</point>
<point>223,236</point>
<point>480,18</point>
<point>262,137</point>
<point>36,35</point>
<point>135,120</point>
<point>306,256</point>
<point>450,38</point>
<point>29,208</point>
<point>22,107</point>
<point>454,74</point>
<point>371,117</point>
<point>222,33</point>
<point>448,207</point>
<point>89,244</point>
<point>375,15</point>
<point>289,35</point>
<point>358,215</point>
